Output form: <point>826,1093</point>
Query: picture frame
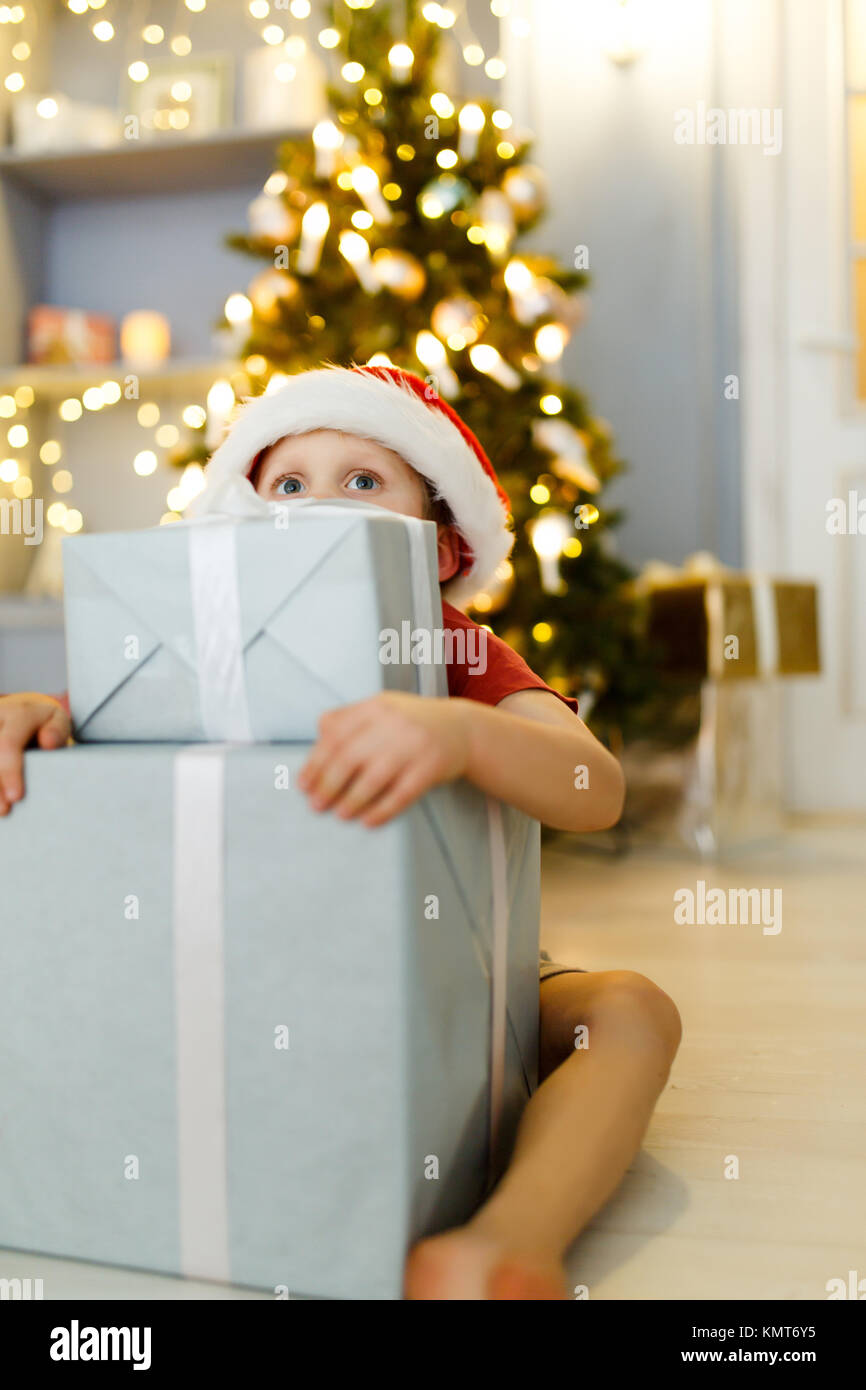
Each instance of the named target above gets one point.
<point>207,86</point>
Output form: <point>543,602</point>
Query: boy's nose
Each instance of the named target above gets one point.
<point>325,492</point>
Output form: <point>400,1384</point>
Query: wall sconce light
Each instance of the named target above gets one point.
<point>625,31</point>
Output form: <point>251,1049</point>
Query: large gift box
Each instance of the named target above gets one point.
<point>247,630</point>
<point>243,1041</point>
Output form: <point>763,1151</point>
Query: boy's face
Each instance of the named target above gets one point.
<point>328,464</point>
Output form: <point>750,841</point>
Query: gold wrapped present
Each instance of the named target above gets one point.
<point>706,621</point>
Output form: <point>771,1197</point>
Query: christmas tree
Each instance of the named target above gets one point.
<point>390,237</point>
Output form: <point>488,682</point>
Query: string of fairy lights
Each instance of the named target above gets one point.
<point>453,326</point>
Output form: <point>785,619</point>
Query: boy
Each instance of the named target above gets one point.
<point>382,434</point>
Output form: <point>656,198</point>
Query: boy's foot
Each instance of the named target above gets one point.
<point>463,1265</point>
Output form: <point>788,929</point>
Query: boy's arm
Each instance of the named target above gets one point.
<point>533,752</point>
<point>374,758</point>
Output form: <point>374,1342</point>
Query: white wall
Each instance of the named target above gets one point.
<point>657,219</point>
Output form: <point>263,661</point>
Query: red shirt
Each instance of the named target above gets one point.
<point>483,667</point>
<point>498,673</point>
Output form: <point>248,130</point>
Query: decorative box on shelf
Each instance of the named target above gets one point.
<point>59,336</point>
<point>283,89</point>
<point>56,123</point>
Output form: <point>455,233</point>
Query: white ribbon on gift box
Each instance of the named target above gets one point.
<point>764,616</point>
<point>216,609</point>
<point>766,624</point>
<point>199,983</point>
<point>199,987</point>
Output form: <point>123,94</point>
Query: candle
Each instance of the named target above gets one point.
<point>471,123</point>
<point>220,399</point>
<point>145,338</point>
<point>314,227</point>
<point>433,356</point>
<point>494,213</point>
<point>327,140</point>
<point>239,312</point>
<point>400,60</point>
<point>549,533</point>
<point>550,341</point>
<point>357,253</point>
<point>365,182</point>
<point>488,360</point>
<point>520,283</point>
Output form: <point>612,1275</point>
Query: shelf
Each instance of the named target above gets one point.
<point>28,613</point>
<point>54,383</point>
<point>170,164</point>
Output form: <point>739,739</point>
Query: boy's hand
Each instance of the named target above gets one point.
<point>376,757</point>
<point>23,718</point>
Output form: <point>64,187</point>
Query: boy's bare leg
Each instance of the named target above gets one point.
<point>577,1136</point>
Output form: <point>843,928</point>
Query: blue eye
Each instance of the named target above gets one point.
<point>288,487</point>
<point>365,481</point>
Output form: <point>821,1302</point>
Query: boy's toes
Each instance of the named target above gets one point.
<point>515,1277</point>
<point>462,1266</point>
<point>450,1266</point>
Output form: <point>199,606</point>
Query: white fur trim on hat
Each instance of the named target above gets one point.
<point>391,414</point>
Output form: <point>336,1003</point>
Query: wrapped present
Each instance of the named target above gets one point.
<point>711,778</point>
<point>248,630</point>
<point>58,336</point>
<point>246,1042</point>
<point>708,621</point>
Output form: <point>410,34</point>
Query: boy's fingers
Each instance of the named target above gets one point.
<point>11,759</point>
<point>330,751</point>
<point>396,798</point>
<point>17,727</point>
<point>332,738</point>
<point>18,724</point>
<point>336,776</point>
<point>369,784</point>
<point>55,730</point>
<point>364,750</point>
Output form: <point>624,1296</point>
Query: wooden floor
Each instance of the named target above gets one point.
<point>771,1069</point>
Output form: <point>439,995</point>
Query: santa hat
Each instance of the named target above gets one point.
<point>403,413</point>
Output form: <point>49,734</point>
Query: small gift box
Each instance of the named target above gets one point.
<point>243,1041</point>
<point>56,335</point>
<point>247,630</point>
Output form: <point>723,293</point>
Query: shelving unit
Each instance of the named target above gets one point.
<point>138,225</point>
<point>167,164</point>
<point>53,383</point>
<point>109,231</point>
<point>141,224</point>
